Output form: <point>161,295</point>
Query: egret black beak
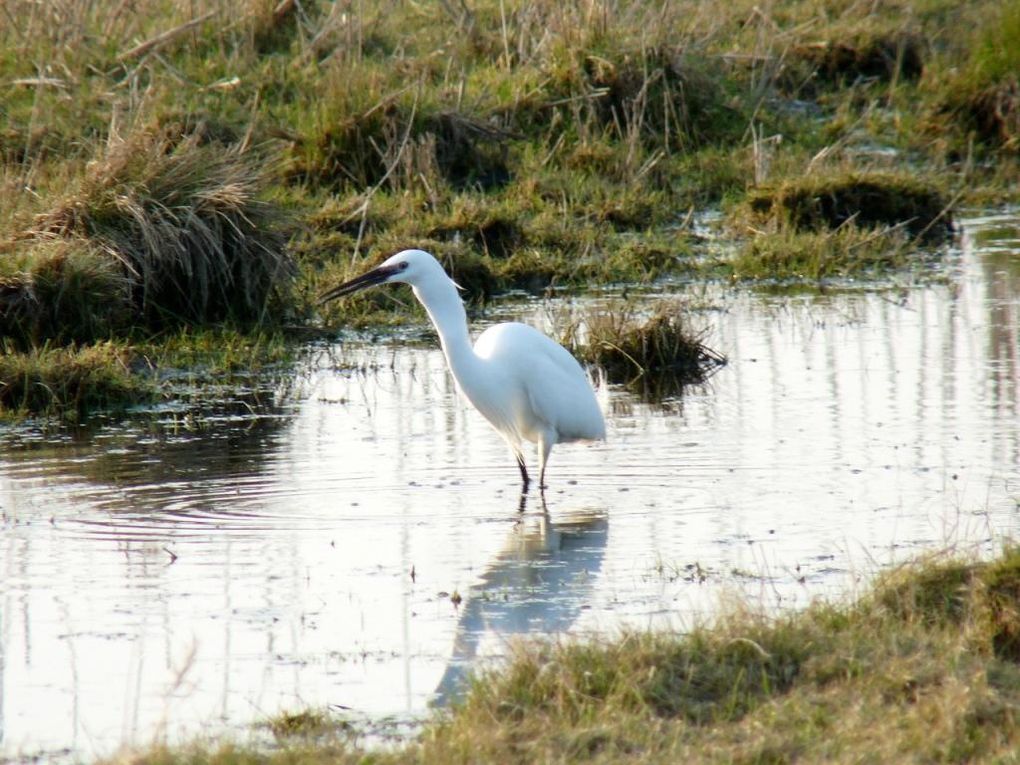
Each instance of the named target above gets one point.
<point>367,279</point>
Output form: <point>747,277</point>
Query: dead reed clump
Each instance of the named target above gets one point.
<point>657,355</point>
<point>184,222</point>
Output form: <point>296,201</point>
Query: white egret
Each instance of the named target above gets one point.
<point>527,386</point>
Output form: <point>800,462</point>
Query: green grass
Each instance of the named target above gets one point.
<point>218,351</point>
<point>71,381</point>
<point>157,174</point>
<point>839,224</point>
<point>830,200</point>
<point>791,257</point>
<point>60,291</point>
<point>182,222</point>
<point>921,668</point>
<point>68,381</point>
<point>977,96</point>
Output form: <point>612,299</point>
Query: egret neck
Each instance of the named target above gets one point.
<point>446,310</point>
<point>524,383</point>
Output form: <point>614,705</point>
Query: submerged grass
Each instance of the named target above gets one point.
<point>71,381</point>
<point>921,668</point>
<point>789,256</point>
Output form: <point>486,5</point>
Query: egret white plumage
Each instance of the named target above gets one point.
<point>526,385</point>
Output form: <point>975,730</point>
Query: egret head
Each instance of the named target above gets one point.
<point>413,267</point>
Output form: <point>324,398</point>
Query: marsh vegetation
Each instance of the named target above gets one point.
<point>654,354</point>
<point>180,181</point>
<point>191,165</point>
<point>924,665</point>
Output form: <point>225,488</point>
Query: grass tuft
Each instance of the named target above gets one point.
<point>183,222</point>
<point>656,355</point>
<point>69,381</point>
<point>862,54</point>
<point>979,97</point>
<point>819,202</point>
<point>956,593</point>
<point>848,252</point>
<point>61,291</point>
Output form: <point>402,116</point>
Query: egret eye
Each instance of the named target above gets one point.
<point>403,266</point>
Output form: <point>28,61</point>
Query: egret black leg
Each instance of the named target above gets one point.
<point>524,472</point>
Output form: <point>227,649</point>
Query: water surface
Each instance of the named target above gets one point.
<point>359,541</point>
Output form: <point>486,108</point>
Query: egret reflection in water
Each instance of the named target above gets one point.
<point>538,583</point>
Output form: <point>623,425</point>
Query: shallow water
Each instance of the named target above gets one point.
<point>359,543</point>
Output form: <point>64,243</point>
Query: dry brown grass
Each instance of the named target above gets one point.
<point>179,219</point>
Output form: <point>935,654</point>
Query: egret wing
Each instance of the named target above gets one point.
<point>558,393</point>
